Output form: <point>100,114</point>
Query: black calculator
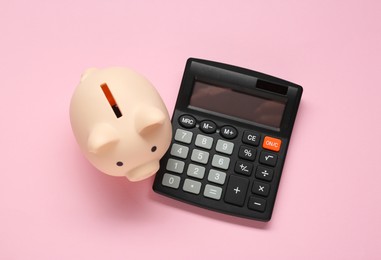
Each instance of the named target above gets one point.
<point>231,130</point>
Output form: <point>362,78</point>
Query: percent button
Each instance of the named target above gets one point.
<point>247,153</point>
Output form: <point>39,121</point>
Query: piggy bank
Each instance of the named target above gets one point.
<point>120,122</point>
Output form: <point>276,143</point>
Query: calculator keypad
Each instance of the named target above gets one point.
<point>222,165</point>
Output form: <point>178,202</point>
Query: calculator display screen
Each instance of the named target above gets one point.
<point>241,105</point>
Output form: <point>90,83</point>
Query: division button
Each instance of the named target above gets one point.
<point>264,173</point>
<point>236,190</point>
<point>251,138</point>
<point>208,126</point>
<point>228,132</point>
<point>257,204</point>
<point>187,121</point>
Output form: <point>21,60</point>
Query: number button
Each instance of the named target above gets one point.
<point>180,151</point>
<point>220,162</point>
<point>204,141</point>
<point>183,136</point>
<point>175,165</point>
<point>224,147</point>
<point>200,156</point>
<point>171,181</point>
<point>196,171</point>
<point>216,176</point>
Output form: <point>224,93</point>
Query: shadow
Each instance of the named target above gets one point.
<point>169,202</point>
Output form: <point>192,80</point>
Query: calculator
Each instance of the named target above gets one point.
<point>231,130</point>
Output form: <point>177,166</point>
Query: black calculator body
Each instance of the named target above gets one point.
<point>231,131</point>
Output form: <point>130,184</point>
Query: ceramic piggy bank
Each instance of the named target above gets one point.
<point>120,122</point>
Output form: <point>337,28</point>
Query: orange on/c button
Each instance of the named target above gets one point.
<point>271,143</point>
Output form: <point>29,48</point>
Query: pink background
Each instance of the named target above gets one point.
<point>55,205</point>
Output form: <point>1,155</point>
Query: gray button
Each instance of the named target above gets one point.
<point>196,171</point>
<point>183,136</point>
<point>216,176</point>
<point>175,165</point>
<point>171,181</point>
<point>212,192</point>
<point>204,141</point>
<point>220,162</point>
<point>224,147</point>
<point>200,156</point>
<point>179,151</point>
<point>192,186</point>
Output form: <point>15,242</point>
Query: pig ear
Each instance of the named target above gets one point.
<point>102,137</point>
<point>149,119</point>
<point>87,73</point>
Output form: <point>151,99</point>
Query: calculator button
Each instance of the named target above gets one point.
<point>251,138</point>
<point>200,156</point>
<point>180,151</point>
<point>236,190</point>
<point>208,127</point>
<point>192,186</point>
<point>187,121</point>
<point>220,162</point>
<point>175,165</point>
<point>271,143</point>
<point>183,136</point>
<point>261,188</point>
<point>196,171</point>
<point>224,147</point>
<point>264,173</point>
<point>212,192</point>
<point>268,158</point>
<point>171,181</point>
<point>228,132</point>
<point>204,141</point>
<point>257,204</point>
<point>216,176</point>
<point>247,153</point>
<point>243,167</point>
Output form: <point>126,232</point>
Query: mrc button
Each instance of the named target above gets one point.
<point>187,121</point>
<point>271,143</point>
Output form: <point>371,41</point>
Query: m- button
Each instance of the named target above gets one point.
<point>271,143</point>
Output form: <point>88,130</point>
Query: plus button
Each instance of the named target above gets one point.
<point>236,190</point>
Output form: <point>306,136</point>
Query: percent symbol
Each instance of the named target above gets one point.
<point>247,152</point>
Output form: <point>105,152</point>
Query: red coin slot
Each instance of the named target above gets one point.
<point>111,100</point>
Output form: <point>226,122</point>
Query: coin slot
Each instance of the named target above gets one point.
<point>111,100</point>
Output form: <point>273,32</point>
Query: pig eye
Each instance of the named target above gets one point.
<point>153,149</point>
<point>119,163</point>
